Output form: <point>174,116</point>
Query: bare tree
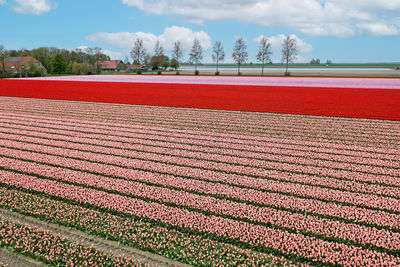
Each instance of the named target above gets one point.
<point>218,53</point>
<point>264,52</point>
<point>196,54</point>
<point>240,52</point>
<point>138,51</point>
<point>289,51</point>
<point>3,56</point>
<point>177,52</point>
<point>158,49</point>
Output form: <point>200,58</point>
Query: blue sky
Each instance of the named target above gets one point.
<point>340,30</point>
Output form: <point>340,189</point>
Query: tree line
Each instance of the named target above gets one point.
<point>57,61</point>
<point>159,60</point>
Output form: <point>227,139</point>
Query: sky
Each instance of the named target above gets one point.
<point>343,31</point>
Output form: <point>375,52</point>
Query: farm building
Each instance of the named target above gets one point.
<point>111,65</point>
<point>135,67</point>
<point>17,65</point>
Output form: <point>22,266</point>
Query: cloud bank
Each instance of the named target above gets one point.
<point>126,40</point>
<point>339,18</point>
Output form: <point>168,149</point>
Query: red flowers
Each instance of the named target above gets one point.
<point>327,101</point>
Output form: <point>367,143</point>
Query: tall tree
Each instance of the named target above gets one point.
<point>138,51</point>
<point>264,52</point>
<point>289,51</point>
<point>158,49</point>
<point>3,56</point>
<point>59,64</point>
<point>218,53</point>
<point>177,54</point>
<point>239,54</point>
<point>196,54</point>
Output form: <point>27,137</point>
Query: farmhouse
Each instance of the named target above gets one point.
<point>136,67</point>
<point>111,65</point>
<point>17,65</point>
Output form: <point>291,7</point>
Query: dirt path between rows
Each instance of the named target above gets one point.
<point>14,259</point>
<point>78,236</point>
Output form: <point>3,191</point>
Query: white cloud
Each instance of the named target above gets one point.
<point>111,54</point>
<point>277,41</point>
<point>35,7</point>
<point>125,40</point>
<point>338,18</point>
<point>378,29</point>
<point>2,2</point>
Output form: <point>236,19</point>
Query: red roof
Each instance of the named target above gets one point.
<point>110,64</point>
<point>16,63</point>
<point>135,66</point>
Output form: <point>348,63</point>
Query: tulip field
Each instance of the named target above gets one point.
<point>189,184</point>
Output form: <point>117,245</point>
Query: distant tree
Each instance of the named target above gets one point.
<point>147,60</point>
<point>196,54</point>
<point>157,62</point>
<point>166,63</point>
<point>264,52</point>
<point>177,54</point>
<point>328,62</point>
<point>138,51</point>
<point>59,65</point>
<point>158,49</point>
<point>174,64</point>
<point>126,60</point>
<point>289,51</point>
<point>239,54</point>
<point>218,53</point>
<point>3,56</point>
<point>35,71</point>
<point>79,68</point>
<point>315,61</point>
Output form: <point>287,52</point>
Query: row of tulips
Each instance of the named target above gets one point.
<point>257,237</point>
<point>325,194</point>
<point>120,112</point>
<point>236,156</point>
<point>192,159</point>
<point>269,160</point>
<point>282,201</point>
<point>309,225</point>
<point>246,141</point>
<point>254,123</point>
<point>136,233</point>
<point>54,249</point>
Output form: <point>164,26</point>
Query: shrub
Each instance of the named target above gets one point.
<point>177,72</point>
<point>159,72</point>
<point>138,71</point>
<point>196,72</point>
<point>287,73</point>
<point>217,73</point>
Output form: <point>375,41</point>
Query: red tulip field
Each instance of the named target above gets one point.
<point>227,174</point>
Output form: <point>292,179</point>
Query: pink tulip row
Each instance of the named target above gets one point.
<point>281,176</point>
<point>190,249</point>
<point>274,156</point>
<point>254,235</point>
<point>121,112</point>
<point>334,229</point>
<point>247,141</point>
<point>371,201</point>
<point>274,199</point>
<point>272,123</point>
<point>324,171</point>
<point>53,248</point>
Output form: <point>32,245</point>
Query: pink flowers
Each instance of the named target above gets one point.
<point>311,199</point>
